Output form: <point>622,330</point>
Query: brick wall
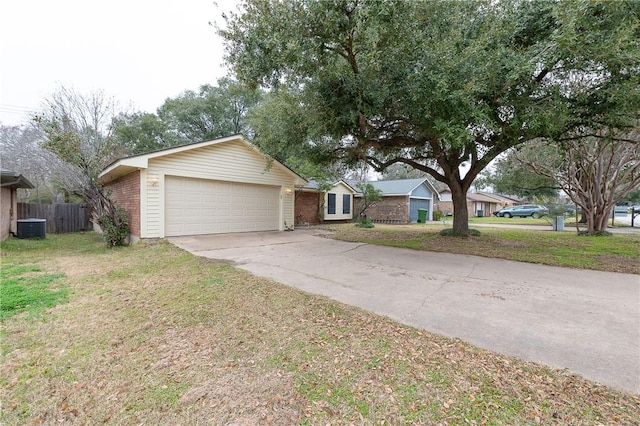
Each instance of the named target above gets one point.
<point>306,207</point>
<point>125,191</point>
<point>389,209</point>
<point>447,208</point>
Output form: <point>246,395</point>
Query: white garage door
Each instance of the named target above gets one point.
<point>199,206</point>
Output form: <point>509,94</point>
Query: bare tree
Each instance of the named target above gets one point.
<point>596,170</point>
<point>78,130</point>
<point>21,150</point>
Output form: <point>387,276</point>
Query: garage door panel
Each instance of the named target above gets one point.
<point>198,206</point>
<point>415,204</point>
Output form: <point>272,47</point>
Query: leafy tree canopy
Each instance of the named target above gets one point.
<point>142,132</point>
<point>436,84</point>
<point>212,112</point>
<point>510,176</point>
<point>193,116</point>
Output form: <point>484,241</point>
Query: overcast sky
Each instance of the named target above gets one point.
<point>138,51</point>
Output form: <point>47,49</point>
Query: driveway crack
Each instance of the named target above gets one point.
<point>354,248</point>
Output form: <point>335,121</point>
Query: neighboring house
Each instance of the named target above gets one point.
<point>445,204</point>
<point>483,204</point>
<point>476,202</point>
<point>507,200</point>
<point>401,200</point>
<point>219,186</point>
<point>313,205</point>
<point>10,181</point>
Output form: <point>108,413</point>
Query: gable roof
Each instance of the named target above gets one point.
<point>508,198</point>
<point>401,186</point>
<point>11,179</point>
<point>485,198</point>
<point>315,185</point>
<point>126,165</point>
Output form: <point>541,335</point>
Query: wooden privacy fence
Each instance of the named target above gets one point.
<point>61,218</point>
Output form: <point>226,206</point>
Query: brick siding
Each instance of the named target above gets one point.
<point>446,207</point>
<point>306,207</point>
<point>389,209</point>
<point>125,191</point>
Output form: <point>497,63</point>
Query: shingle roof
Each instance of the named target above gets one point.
<point>477,196</point>
<point>398,187</point>
<point>314,184</point>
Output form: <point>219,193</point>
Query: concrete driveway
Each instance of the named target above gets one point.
<point>585,321</point>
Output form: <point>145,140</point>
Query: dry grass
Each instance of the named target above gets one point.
<point>617,253</point>
<point>153,335</point>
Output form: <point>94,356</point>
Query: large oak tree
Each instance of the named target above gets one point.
<point>442,86</point>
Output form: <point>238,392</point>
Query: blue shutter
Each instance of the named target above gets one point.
<point>346,203</point>
<point>331,203</point>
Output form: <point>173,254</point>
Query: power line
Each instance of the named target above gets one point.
<point>16,108</point>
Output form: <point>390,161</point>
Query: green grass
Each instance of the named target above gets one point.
<point>25,288</point>
<point>543,221</point>
<point>569,221</point>
<point>154,335</point>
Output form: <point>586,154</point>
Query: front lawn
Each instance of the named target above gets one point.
<point>150,334</point>
<point>617,253</point>
<point>542,221</point>
<point>569,221</point>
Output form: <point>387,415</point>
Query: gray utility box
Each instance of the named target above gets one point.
<point>558,223</point>
<point>32,228</point>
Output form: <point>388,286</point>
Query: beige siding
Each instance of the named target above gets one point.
<point>152,202</point>
<point>8,204</point>
<point>288,207</point>
<point>231,161</point>
<point>339,189</point>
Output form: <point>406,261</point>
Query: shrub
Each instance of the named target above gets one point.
<point>438,215</point>
<point>115,226</point>
<point>365,223</point>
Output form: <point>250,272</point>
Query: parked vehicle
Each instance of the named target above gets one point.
<point>621,210</point>
<point>525,210</point>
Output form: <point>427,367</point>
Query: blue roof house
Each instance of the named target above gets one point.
<point>401,200</point>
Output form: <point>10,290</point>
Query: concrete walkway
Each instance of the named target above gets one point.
<point>585,321</point>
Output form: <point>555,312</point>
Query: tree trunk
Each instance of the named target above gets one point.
<point>601,220</point>
<point>460,210</point>
<point>598,219</point>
